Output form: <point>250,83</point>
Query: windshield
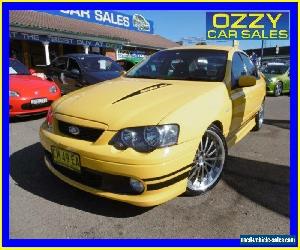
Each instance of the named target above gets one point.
<point>17,68</point>
<point>99,64</point>
<point>196,65</point>
<point>275,69</point>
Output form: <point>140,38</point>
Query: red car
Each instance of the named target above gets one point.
<point>29,94</point>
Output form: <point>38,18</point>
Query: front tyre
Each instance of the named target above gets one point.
<point>209,162</point>
<point>278,89</point>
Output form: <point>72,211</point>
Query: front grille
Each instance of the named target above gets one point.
<point>103,181</point>
<point>85,133</point>
<point>29,106</point>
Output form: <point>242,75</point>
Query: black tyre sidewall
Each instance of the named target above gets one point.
<point>256,128</point>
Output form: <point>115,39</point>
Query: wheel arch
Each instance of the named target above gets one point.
<point>218,124</point>
<point>280,81</point>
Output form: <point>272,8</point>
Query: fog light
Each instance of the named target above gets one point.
<point>136,185</point>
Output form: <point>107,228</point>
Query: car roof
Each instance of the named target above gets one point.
<point>206,47</point>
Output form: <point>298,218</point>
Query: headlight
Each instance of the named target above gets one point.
<point>146,139</point>
<point>49,118</point>
<point>13,93</point>
<point>52,89</point>
<point>273,79</point>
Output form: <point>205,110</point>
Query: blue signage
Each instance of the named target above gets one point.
<point>62,40</point>
<point>247,25</point>
<point>134,54</point>
<point>134,22</point>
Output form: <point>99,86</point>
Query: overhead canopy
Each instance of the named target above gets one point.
<point>44,23</point>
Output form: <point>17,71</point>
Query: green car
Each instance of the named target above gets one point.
<point>129,62</point>
<point>277,78</point>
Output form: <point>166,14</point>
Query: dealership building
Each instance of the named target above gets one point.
<point>37,37</point>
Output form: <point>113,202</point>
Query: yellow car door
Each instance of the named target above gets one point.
<point>238,95</point>
<point>245,100</point>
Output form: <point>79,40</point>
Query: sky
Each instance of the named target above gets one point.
<point>176,25</point>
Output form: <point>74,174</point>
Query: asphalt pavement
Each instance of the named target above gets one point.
<point>251,198</point>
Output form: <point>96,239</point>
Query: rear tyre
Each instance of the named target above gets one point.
<point>209,162</point>
<point>259,118</point>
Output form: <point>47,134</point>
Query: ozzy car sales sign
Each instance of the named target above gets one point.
<point>247,25</point>
<point>134,22</point>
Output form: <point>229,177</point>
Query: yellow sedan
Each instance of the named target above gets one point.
<point>160,130</point>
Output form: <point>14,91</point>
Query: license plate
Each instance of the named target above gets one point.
<point>66,158</point>
<point>39,101</point>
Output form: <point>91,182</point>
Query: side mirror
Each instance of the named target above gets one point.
<point>75,72</point>
<point>247,81</point>
<point>32,71</point>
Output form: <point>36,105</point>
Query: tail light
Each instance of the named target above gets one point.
<point>49,118</point>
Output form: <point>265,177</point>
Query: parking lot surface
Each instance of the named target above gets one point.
<point>251,198</point>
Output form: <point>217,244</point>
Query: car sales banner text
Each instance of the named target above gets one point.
<point>135,22</point>
<point>247,25</point>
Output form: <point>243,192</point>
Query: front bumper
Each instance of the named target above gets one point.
<point>21,106</point>
<point>270,88</point>
<point>163,172</point>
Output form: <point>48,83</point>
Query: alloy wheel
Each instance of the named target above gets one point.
<point>208,163</point>
<point>261,116</point>
<point>278,89</point>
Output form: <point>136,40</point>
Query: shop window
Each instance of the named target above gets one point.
<point>95,50</point>
<point>16,50</point>
<point>69,49</point>
<point>111,53</point>
<point>54,51</point>
<point>37,54</point>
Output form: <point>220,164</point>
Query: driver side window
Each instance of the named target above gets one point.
<point>251,69</point>
<point>73,65</point>
<point>238,69</point>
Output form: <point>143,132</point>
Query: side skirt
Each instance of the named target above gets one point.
<point>241,133</point>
